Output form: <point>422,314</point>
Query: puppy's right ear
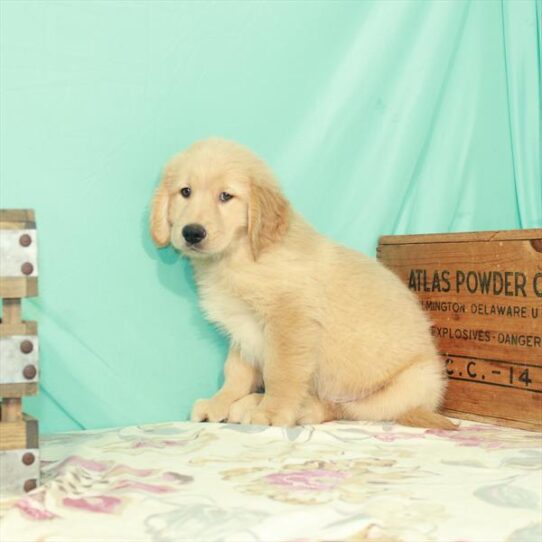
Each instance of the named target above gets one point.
<point>159,223</point>
<point>268,217</point>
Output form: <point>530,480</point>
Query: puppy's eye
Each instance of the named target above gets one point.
<point>185,192</point>
<point>224,196</point>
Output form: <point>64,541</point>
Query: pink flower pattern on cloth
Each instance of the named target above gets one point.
<point>101,503</point>
<point>317,480</point>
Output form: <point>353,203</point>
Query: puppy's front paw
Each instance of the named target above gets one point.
<point>242,406</point>
<point>210,410</point>
<point>265,416</point>
<point>314,411</point>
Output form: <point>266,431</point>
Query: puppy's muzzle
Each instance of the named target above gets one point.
<point>194,233</point>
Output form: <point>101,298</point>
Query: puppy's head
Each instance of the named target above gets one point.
<point>214,196</point>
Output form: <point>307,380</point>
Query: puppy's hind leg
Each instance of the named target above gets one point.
<point>411,398</point>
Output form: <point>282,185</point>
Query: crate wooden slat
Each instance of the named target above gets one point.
<point>18,328</point>
<point>18,287</point>
<point>17,219</point>
<point>20,434</point>
<point>461,237</point>
<point>483,293</point>
<point>18,390</point>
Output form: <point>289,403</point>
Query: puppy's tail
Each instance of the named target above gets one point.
<point>421,417</point>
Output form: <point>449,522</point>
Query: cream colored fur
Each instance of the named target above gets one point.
<point>329,332</point>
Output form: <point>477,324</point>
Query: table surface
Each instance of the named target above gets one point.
<point>335,481</point>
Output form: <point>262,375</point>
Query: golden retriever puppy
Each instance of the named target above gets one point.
<point>327,332</point>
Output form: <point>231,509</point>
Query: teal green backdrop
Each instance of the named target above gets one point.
<point>378,117</point>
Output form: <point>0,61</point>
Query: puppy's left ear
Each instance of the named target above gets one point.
<point>159,223</point>
<point>269,216</point>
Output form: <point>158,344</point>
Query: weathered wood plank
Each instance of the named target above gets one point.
<point>20,328</point>
<point>18,390</point>
<point>20,434</point>
<point>18,287</point>
<point>462,237</point>
<point>12,218</point>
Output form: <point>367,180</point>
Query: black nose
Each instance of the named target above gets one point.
<point>194,233</point>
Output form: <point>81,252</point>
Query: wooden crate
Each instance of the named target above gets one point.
<point>19,453</point>
<point>483,293</point>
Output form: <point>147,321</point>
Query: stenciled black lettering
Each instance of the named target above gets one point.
<point>524,377</point>
<point>498,283</point>
<point>425,285</point>
<point>472,282</point>
<point>435,287</point>
<point>446,280</point>
<point>513,339</point>
<point>485,280</point>
<point>537,284</point>
<point>520,283</point>
<point>412,280</point>
<point>459,280</point>
<point>508,291</point>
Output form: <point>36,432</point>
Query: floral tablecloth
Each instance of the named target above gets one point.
<point>338,481</point>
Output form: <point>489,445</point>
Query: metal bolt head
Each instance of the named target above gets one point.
<point>29,485</point>
<point>27,347</point>
<point>27,268</point>
<point>28,458</point>
<point>25,240</point>
<point>29,372</point>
